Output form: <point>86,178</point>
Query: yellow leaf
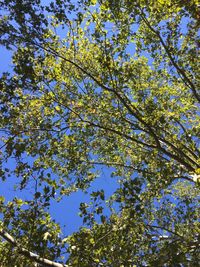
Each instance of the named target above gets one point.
<point>46,235</point>
<point>57,108</point>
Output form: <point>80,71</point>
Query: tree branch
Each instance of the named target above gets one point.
<point>127,104</point>
<point>30,255</point>
<point>179,70</point>
<point>165,229</point>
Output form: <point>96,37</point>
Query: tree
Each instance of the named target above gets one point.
<point>116,88</point>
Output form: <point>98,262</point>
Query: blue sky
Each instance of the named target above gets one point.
<point>65,211</point>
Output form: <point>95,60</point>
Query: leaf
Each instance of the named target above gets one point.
<point>46,235</point>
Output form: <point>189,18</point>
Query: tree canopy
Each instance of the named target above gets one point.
<point>94,85</point>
